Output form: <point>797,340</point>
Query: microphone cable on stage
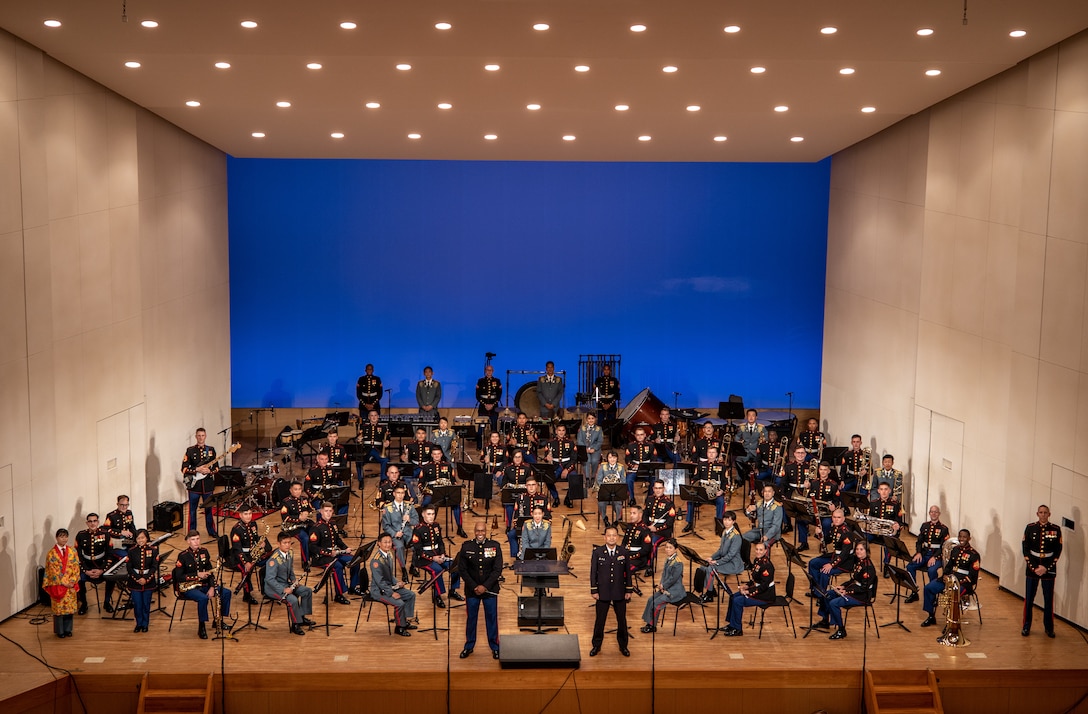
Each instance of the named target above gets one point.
<point>38,621</point>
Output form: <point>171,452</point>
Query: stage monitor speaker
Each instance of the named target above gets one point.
<point>167,516</point>
<point>551,607</point>
<point>534,651</point>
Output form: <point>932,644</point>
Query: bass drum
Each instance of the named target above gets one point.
<point>527,401</point>
<point>645,408</point>
<point>261,495</point>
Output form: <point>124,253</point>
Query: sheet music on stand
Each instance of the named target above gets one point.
<point>674,479</point>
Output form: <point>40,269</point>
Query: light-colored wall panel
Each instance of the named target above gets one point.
<point>33,165</point>
<point>1038,141</point>
<point>898,241</point>
<point>30,69</point>
<point>92,150</point>
<point>942,171</point>
<point>976,147</point>
<point>1080,431</point>
<point>95,288</point>
<point>8,72</point>
<point>1028,292</point>
<point>999,300</point>
<point>1071,85</point>
<point>1056,420</point>
<point>1063,302</point>
<point>12,297</point>
<point>1043,79</point>
<point>38,269</point>
<point>969,274</point>
<point>124,227</point>
<point>937,278</point>
<point>10,192</point>
<point>1068,217</point>
<point>60,155</point>
<point>1007,179</point>
<point>65,277</point>
<point>121,154</point>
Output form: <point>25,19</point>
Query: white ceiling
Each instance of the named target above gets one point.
<point>268,64</point>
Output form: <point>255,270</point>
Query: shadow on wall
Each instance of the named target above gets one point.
<point>995,544</point>
<point>1072,547</point>
<point>153,476</point>
<point>7,575</point>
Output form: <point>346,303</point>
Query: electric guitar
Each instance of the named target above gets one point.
<point>191,477</point>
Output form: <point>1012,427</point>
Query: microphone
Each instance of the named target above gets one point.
<point>250,417</point>
<point>273,408</point>
<point>388,391</point>
<point>490,355</point>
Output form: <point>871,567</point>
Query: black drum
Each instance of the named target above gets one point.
<point>645,408</point>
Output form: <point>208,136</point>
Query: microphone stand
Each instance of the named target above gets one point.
<point>257,441</point>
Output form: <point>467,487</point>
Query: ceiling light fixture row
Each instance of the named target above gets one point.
<point>719,138</point>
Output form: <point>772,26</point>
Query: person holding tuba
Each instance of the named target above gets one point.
<point>194,579</point>
<point>1042,546</point>
<point>888,509</point>
<point>860,590</point>
<point>964,563</point>
<point>928,549</point>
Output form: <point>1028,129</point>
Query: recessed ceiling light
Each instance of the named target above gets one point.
<point>532,107</point>
<point>638,28</point>
<point>491,137</point>
<point>581,68</point>
<point>445,105</point>
<point>781,108</point>
<point>622,107</point>
<point>132,65</point>
<point>758,70</point>
<point>932,72</point>
<point>569,137</point>
<point>373,105</point>
<point>693,107</point>
<point>248,24</point>
<point>924,32</point>
<point>348,25</point>
<point>797,139</point>
<point>413,135</point>
<point>541,26</point>
<point>192,103</point>
<point>868,110</point>
<point>442,26</point>
<point>846,70</point>
<point>720,138</point>
<point>337,135</point>
<point>257,135</point>
<point>222,65</point>
<point>491,67</point>
<point>52,23</point>
<point>1018,33</point>
<point>669,68</point>
<point>828,30</point>
<point>731,29</point>
<point>645,137</point>
<point>149,23</point>
<point>283,105</point>
<point>404,66</point>
<point>313,65</point>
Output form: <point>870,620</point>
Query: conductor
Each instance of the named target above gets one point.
<point>611,587</point>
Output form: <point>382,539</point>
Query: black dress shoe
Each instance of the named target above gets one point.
<point>305,567</point>
<point>689,528</point>
<point>803,549</point>
<point>411,627</point>
<point>297,630</point>
<point>648,629</point>
<point>1049,633</point>
<point>108,607</point>
<point>356,590</point>
<point>840,634</point>
<point>913,597</point>
<point>402,631</point>
<point>625,652</point>
<point>82,609</point>
<point>787,528</point>
<point>454,595</point>
<point>823,624</point>
<point>202,631</point>
<point>638,591</point>
<point>136,629</point>
<point>413,571</point>
<point>461,533</point>
<point>342,600</point>
<point>708,597</point>
<point>494,654</point>
<point>649,572</point>
<point>568,503</point>
<point>249,599</point>
<point>732,632</point>
<point>308,622</point>
<point>595,651</point>
<point>440,603</point>
<point>929,621</point>
<point>1025,632</point>
<point>464,653</point>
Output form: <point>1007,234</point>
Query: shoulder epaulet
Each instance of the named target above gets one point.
<point>547,525</point>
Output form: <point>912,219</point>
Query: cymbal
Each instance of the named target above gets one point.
<point>285,450</point>
<point>581,410</point>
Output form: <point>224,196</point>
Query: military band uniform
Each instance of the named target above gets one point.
<point>291,511</point>
<point>488,395</point>
<point>481,565</point>
<point>279,574</point>
<point>888,509</point>
<point>95,553</point>
<point>963,562</point>
<point>427,544</point>
<point>892,477</point>
<point>811,440</point>
<point>1042,546</point>
<point>709,472</point>
<point>338,456</point>
<point>671,587</point>
<point>768,453</point>
<point>143,564</point>
<point>513,475</point>
<point>664,438</point>
<point>524,504</point>
<point>535,535</point>
<point>591,437</point>
<point>522,437</point>
<point>189,563</point>
<point>840,554</point>
<point>768,527</point>
<point>549,389</point>
<point>727,561</point>
<point>562,454</point>
<point>372,437</point>
<point>760,591</point>
<point>860,590</point>
<point>610,474</point>
<point>202,488</point>
<point>418,453</point>
<point>930,542</point>
<point>751,436</point>
<point>325,541</point>
<point>428,394</point>
<point>384,583</point>
<point>822,490</point>
<point>701,446</point>
<point>661,513</point>
<point>610,580</point>
<point>638,542</point>
<point>607,390</point>
<point>393,522</point>
<point>117,523</point>
<point>851,466</point>
<point>443,439</point>
<point>243,544</point>
<point>637,453</point>
<point>494,459</point>
<point>318,481</point>
<point>368,390</point>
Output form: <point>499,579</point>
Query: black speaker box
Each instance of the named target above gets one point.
<point>167,516</point>
<point>534,651</point>
<point>551,607</point>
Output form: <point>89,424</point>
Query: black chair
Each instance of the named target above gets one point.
<point>690,601</point>
<point>782,601</point>
<point>365,599</point>
<point>177,598</point>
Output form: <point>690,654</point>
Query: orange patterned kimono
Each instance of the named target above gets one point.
<point>62,578</point>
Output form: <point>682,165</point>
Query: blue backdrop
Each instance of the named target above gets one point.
<point>708,279</point>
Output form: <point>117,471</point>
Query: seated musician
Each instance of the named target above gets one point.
<point>374,438</point>
<point>329,550</point>
<point>606,390</point>
<point>439,473</point>
<point>386,588</point>
<point>560,453</point>
<point>659,517</point>
<point>840,552</point>
<point>399,521</point>
<point>493,456</point>
<point>886,508</point>
<point>638,452</point>
<point>337,455</point>
<point>812,438</point>
<point>767,522</point>
<point>143,577</point>
<point>759,590</point>
<point>963,562</point>
<point>536,533</point>
<point>417,452</point>
<point>429,549</point>
<point>669,589</point>
<point>524,437</point>
<point>444,438</point>
<point>514,476</point>
<point>610,472</point>
<point>281,584</point>
<point>751,435</point>
<point>711,476</point>
<point>928,549</point>
<point>121,526</point>
<point>859,590</point>
<point>194,579</point>
<point>95,557</point>
<point>297,513</point>
<point>244,556</point>
<point>664,436</point>
<point>320,479</point>
<point>824,490</point>
<point>767,454</point>
<point>852,466</point>
<point>890,475</point>
<point>637,541</point>
<point>705,441</point>
<point>725,560</point>
<point>524,504</point>
<point>791,479</point>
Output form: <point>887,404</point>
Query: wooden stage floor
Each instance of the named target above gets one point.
<point>272,670</point>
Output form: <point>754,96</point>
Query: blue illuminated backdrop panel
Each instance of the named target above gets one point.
<point>707,278</point>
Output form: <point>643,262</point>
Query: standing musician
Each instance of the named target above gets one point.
<point>399,521</point>
<point>438,472</point>
<point>375,437</point>
<point>659,516</point>
<point>705,441</point>
<point>514,475</point>
<point>337,456</point>
<point>143,578</point>
<point>825,489</point>
<point>759,590</point>
<point>767,523</point>
<point>244,556</point>
<point>536,533</point>
<point>493,456</point>
<point>860,590</point>
<point>560,453</point>
<point>428,392</point>
<point>637,541</point>
<point>488,395</point>
<point>812,438</point>
<point>611,587</point>
<point>638,452</point>
<point>928,549</point>
<point>840,551</point>
<point>281,584</point>
<point>386,588</point>
<point>297,515</point>
<point>391,483</point>
<point>751,435</point>
<point>121,526</point>
<point>95,557</point>
<point>664,436</point>
<point>369,391</point>
<point>194,579</point>
<point>963,562</point>
<point>445,438</point>
<point>791,478</point>
<point>330,550</point>
<point>320,478</point>
<point>195,465</point>
<point>725,560</point>
<point>768,453</point>
<point>524,437</point>
<point>480,563</point>
<point>1042,546</point>
<point>606,390</point>
<point>416,452</point>
<point>669,589</point>
<point>523,511</point>
<point>712,470</point>
<point>591,437</point>
<point>549,388</point>
<point>611,472</point>
<point>852,466</point>
<point>429,549</point>
<point>889,474</point>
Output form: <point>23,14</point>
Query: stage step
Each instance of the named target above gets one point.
<point>175,694</point>
<point>902,692</point>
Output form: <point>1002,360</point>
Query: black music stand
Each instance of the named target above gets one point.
<point>798,512</point>
<point>432,584</point>
<point>447,497</point>
<point>540,574</point>
<point>792,556</point>
<point>852,501</point>
<point>483,489</point>
<point>545,475</point>
<point>612,493</point>
<point>896,548</point>
<point>576,486</point>
<point>817,593</point>
<point>724,593</point>
<point>698,496</point>
<point>902,579</point>
<point>647,471</point>
<point>256,573</point>
<point>471,473</point>
<point>693,557</point>
<point>323,584</point>
<point>408,478</point>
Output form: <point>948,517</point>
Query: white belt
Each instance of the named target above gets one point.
<point>634,548</point>
<point>934,547</point>
<point>1042,555</point>
<point>100,556</point>
<point>245,550</point>
<point>961,571</point>
<point>428,547</point>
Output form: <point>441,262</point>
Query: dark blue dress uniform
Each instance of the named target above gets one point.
<point>930,542</point>
<point>659,512</point>
<point>434,470</point>
<point>709,472</point>
<point>143,564</point>
<point>664,435</point>
<point>1042,546</point>
<point>607,390</point>
<point>494,458</point>
<point>827,491</point>
<point>562,453</point>
<point>371,437</point>
<point>610,581</point>
<point>189,563</point>
<point>93,548</point>
<point>480,563</point>
<point>325,542</point>
<point>427,542</point>
<point>963,562</point>
<point>521,437</point>
<point>513,475</point>
<point>318,480</point>
<point>523,511</point>
<point>760,590</point>
<point>115,524</point>
<point>637,452</point>
<point>368,390</point>
<point>638,542</point>
<point>243,544</point>
<point>768,452</point>
<point>291,512</point>
<point>488,394</point>
<point>860,590</point>
<point>338,458</point>
<point>850,467</point>
<point>811,440</point>
<point>197,456</point>
<point>840,554</point>
<point>702,444</point>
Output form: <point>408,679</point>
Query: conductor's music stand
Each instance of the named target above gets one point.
<point>472,473</point>
<point>432,584</point>
<point>902,579</point>
<point>698,496</point>
<point>611,493</point>
<point>448,497</point>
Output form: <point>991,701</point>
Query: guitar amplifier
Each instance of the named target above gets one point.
<point>167,516</point>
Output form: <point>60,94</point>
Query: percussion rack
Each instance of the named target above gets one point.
<point>537,372</point>
<point>589,368</point>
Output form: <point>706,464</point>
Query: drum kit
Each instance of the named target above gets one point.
<point>266,487</point>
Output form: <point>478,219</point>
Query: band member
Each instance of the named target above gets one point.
<point>606,390</point>
<point>963,562</point>
<point>611,472</point>
<point>825,490</point>
<point>61,582</point>
<point>638,452</point>
<point>281,584</point>
<point>591,437</point>
<point>369,391</point>
<point>768,453</point>
<point>374,438</point>
<point>480,563</point>
<point>199,467</point>
<point>243,554</point>
<point>330,550</point>
<point>664,436</point>
<point>669,589</point>
<point>886,507</point>
<point>445,438</point>
<point>524,437</point>
<point>428,392</point>
<point>890,475</point>
<point>321,478</point>
<point>438,472</point>
<point>391,483</point>
<point>334,450</point>
<point>523,511</point>
<point>514,476</point>
<point>549,388</point>
<point>659,516</point>
<point>812,438</point>
<point>705,441</point>
<point>560,453</point>
<point>793,475</point>
<point>95,557</point>
<point>386,588</point>
<point>297,515</point>
<point>430,555</point>
<point>195,580</point>
<point>536,533</point>
<point>416,452</point>
<point>399,521</point>
<point>751,435</point>
<point>143,578</point>
<point>713,470</point>
<point>767,525</point>
<point>488,395</point>
<point>637,541</point>
<point>610,586</point>
<point>725,560</point>
<point>493,456</point>
<point>852,466</point>
<point>928,549</point>
<point>859,590</point>
<point>759,590</point>
<point>121,526</point>
<point>1042,546</point>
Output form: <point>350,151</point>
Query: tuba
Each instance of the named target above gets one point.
<point>950,599</point>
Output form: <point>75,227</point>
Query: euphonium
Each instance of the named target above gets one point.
<point>867,468</point>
